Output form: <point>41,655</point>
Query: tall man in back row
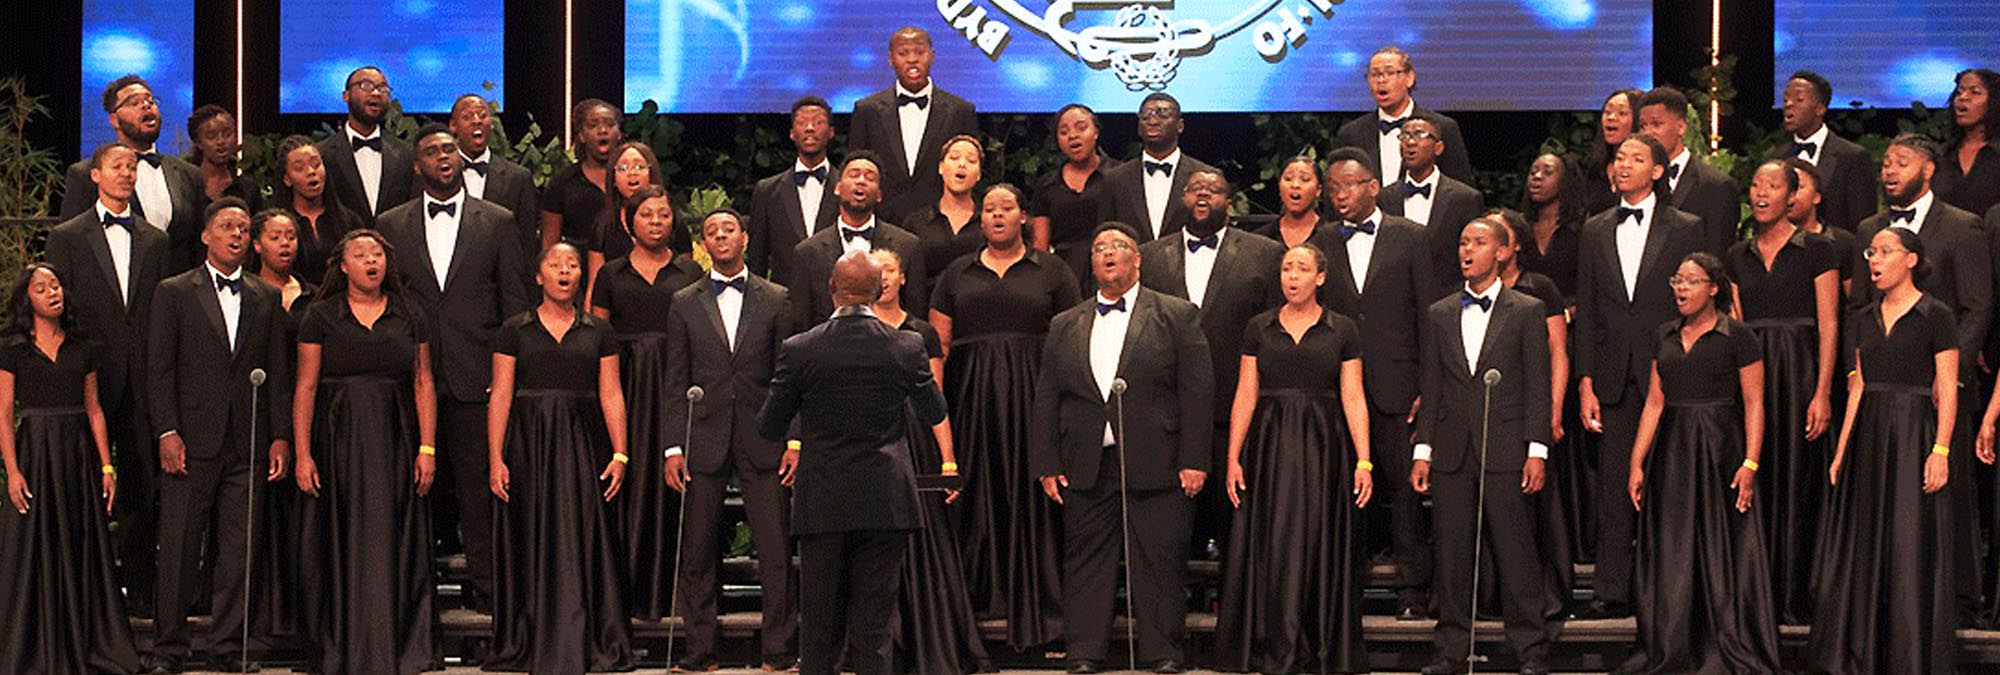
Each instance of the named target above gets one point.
<point>907,125</point>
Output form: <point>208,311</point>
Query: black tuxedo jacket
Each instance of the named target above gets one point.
<point>399,175</point>
<point>1453,204</point>
<point>1713,197</point>
<point>735,378</point>
<point>1957,251</point>
<point>1517,345</point>
<point>1846,181</point>
<point>1243,284</point>
<point>483,287</point>
<point>877,128</point>
<point>510,186</point>
<point>815,257</point>
<point>199,383</point>
<point>850,382</point>
<point>1616,337</point>
<point>1128,196</point>
<point>1362,133</point>
<point>1169,411</point>
<point>775,222</point>
<point>1388,309</point>
<point>80,254</point>
<point>184,187</point>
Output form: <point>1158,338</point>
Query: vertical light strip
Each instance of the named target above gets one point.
<point>569,96</point>
<point>1714,61</point>
<point>239,73</point>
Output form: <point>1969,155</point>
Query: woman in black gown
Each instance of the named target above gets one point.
<point>1703,587</point>
<point>1790,300</point>
<point>1298,476</point>
<point>1968,172</point>
<point>279,610</point>
<point>949,229</point>
<point>1298,197</point>
<point>1804,214</point>
<point>574,196</point>
<point>60,609</point>
<point>1883,599</point>
<point>990,310</point>
<point>1553,199</point>
<point>633,292</point>
<point>321,220</point>
<point>635,168</point>
<point>556,415</point>
<point>1617,121</point>
<point>1072,200</point>
<point>364,411</point>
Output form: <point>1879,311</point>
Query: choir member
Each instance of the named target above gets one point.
<point>1848,195</point>
<point>1566,490</point>
<point>167,191</point>
<point>1692,185</point>
<point>950,227</point>
<point>1788,294</point>
<point>1968,173</point>
<point>1146,191</point>
<point>1616,121</point>
<point>906,124</point>
<point>1391,79</point>
<point>59,601</point>
<point>1486,471</point>
<point>1230,278</point>
<point>1804,214</point>
<point>1553,198</point>
<point>493,177</point>
<point>277,610</point>
<point>858,229</point>
<point>635,167</point>
<point>1883,591</point>
<point>1378,274</point>
<point>1429,198</point>
<point>1298,197</point>
<point>573,197</point>
<point>365,415</point>
<point>789,206</point>
<point>635,293</point>
<point>213,131</point>
<point>1298,474</point>
<point>723,332</point>
<point>991,311</point>
<point>368,171</point>
<point>211,328</point>
<point>460,272</point>
<point>321,220</point>
<point>1703,587</point>
<point>939,631</point>
<point>114,262</point>
<point>1622,293</point>
<point>1070,201</point>
<point>274,237</point>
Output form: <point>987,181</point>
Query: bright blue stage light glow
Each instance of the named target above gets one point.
<point>153,39</point>
<point>431,51</point>
<point>1563,14</point>
<point>1923,77</point>
<point>1884,54</point>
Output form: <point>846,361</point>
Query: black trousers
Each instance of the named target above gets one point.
<point>462,475</point>
<point>136,510</point>
<point>848,585</point>
<point>1401,516</point>
<point>209,497</point>
<point>768,511</point>
<point>1510,532</point>
<point>1093,538</point>
<point>1616,521</point>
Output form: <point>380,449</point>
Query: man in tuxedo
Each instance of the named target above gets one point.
<point>212,328</point>
<point>1429,198</point>
<point>856,229</point>
<point>1391,78</point>
<point>368,171</point>
<point>1624,257</point>
<point>167,193</point>
<point>723,336</point>
<point>1485,330</point>
<point>1377,275</point>
<point>461,264</point>
<point>110,261</point>
<point>907,125</point>
<point>1230,276</point>
<point>849,383</point>
<point>493,178</point>
<point>1136,457</point>
<point>1846,195</point>
<point>1146,193</point>
<point>789,206</point>
<point>1693,185</point>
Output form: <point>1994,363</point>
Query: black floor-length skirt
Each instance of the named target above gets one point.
<point>558,607</point>
<point>1701,575</point>
<point>938,633</point>
<point>1883,594</point>
<point>1012,533</point>
<point>60,609</point>
<point>1292,578</point>
<point>366,538</point>
<point>1791,478</point>
<point>278,589</point>
<point>645,512</point>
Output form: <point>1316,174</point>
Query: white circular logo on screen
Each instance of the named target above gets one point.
<point>1142,42</point>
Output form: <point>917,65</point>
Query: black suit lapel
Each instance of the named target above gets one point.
<point>713,311</point>
<point>1384,243</point>
<point>342,161</point>
<point>1142,313</point>
<point>1608,249</point>
<point>1456,341</point>
<point>1496,321</point>
<point>204,290</point>
<point>1176,267</point>
<point>467,222</point>
<point>794,206</point>
<point>100,249</point>
<point>1082,345</point>
<point>1656,239</point>
<point>1225,254</point>
<point>892,124</point>
<point>1342,266</point>
<point>417,240</point>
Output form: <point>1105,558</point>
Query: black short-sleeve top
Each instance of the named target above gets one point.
<point>349,349</point>
<point>932,347</point>
<point>1072,214</point>
<point>1976,190</point>
<point>1312,363</point>
<point>1785,289</point>
<point>572,196</point>
<point>636,305</point>
<point>1708,370</point>
<point>1559,262</point>
<point>940,244</point>
<point>40,382</point>
<point>982,303</point>
<point>1907,353</point>
<point>1844,247</point>
<point>316,239</point>
<point>1544,289</point>
<point>543,363</point>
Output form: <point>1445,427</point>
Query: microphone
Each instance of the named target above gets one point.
<point>695,393</point>
<point>1492,377</point>
<point>257,377</point>
<point>1118,385</point>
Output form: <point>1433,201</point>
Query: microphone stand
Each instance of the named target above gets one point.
<point>1118,387</point>
<point>250,513</point>
<point>694,395</point>
<point>1472,658</point>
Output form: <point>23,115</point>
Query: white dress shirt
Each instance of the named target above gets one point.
<point>1677,169</point>
<point>120,241</point>
<point>810,195</point>
<point>1200,265</point>
<point>1391,142</point>
<point>729,303</point>
<point>913,120</point>
<point>852,244</point>
<point>441,233</point>
<point>231,301</point>
<point>152,194</point>
<point>1417,207</point>
<point>1361,249</point>
<point>1818,141</point>
<point>1923,208</point>
<point>1473,321</point>
<point>1107,343</point>
<point>368,162</point>
<point>475,182</point>
<point>1159,188</point>
<point>1631,239</point>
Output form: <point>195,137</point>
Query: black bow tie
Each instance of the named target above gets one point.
<point>1413,190</point>
<point>1386,126</point>
<point>1637,216</point>
<point>447,208</point>
<point>720,285</point>
<point>920,102</point>
<point>1104,308</point>
<point>1467,299</point>
<point>1347,230</point>
<point>1161,168</point>
<point>234,286</point>
<point>1210,241</point>
<point>480,167</point>
<point>799,176</point>
<point>369,143</point>
<point>1674,170</point>
<point>150,157</point>
<point>866,233</point>
<point>1810,149</point>
<point>110,220</point>
<point>1902,216</point>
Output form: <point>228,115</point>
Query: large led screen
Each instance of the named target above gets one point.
<point>1885,53</point>
<point>431,50</point>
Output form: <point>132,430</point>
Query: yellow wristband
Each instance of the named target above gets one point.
<point>427,450</point>
<point>1750,464</point>
<point>108,470</point>
<point>948,466</point>
<point>1939,450</point>
<point>791,445</point>
<point>1365,465</point>
<point>620,457</point>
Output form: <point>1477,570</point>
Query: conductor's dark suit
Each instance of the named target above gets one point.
<point>735,378</point>
<point>777,223</point>
<point>1846,180</point>
<point>1453,204</point>
<point>815,257</point>
<point>1713,198</point>
<point>343,177</point>
<point>877,127</point>
<point>850,382</point>
<point>1365,133</point>
<point>1168,416</point>
<point>184,186</point>
<point>1128,196</point>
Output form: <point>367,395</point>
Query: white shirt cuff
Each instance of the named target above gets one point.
<point>1537,451</point>
<point>671,452</point>
<point>1421,453</point>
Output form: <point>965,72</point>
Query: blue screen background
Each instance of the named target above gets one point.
<point>1885,53</point>
<point>153,39</point>
<point>431,50</point>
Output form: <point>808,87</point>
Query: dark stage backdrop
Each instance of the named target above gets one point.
<point>1885,53</point>
<point>432,50</point>
<point>153,39</point>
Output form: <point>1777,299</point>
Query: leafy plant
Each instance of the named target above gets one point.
<point>28,175</point>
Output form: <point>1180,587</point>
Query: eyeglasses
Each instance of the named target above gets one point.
<point>370,87</point>
<point>1346,187</point>
<point>1872,253</point>
<point>1678,281</point>
<point>1110,247</point>
<point>141,100</point>
<point>1386,74</point>
<point>1158,114</point>
<point>632,168</point>
<point>1417,136</point>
